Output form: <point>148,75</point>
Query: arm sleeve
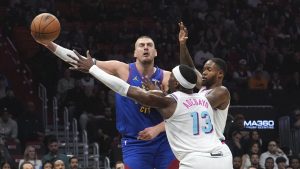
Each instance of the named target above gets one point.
<point>114,83</point>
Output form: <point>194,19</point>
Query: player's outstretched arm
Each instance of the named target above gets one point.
<point>185,57</point>
<point>165,104</point>
<point>114,67</point>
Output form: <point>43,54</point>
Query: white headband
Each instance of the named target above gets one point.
<point>184,83</point>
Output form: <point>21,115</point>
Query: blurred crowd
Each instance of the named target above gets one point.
<point>259,39</point>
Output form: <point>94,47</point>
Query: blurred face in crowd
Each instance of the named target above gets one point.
<point>272,147</point>
<point>254,159</point>
<point>145,51</point>
<point>59,164</point>
<point>120,166</point>
<point>269,164</point>
<point>48,166</point>
<point>30,151</point>
<point>295,163</point>
<point>237,162</point>
<point>255,135</point>
<point>6,166</point>
<point>255,148</point>
<point>281,165</point>
<point>27,166</point>
<point>53,147</point>
<point>74,163</point>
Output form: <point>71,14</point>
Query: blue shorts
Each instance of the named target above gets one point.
<point>151,154</point>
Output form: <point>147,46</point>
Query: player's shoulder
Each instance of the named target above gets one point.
<point>221,90</point>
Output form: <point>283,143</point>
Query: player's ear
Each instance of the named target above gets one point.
<point>220,74</point>
<point>134,53</point>
<point>155,53</point>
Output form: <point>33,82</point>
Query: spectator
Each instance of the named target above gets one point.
<point>253,149</point>
<point>47,165</point>
<point>119,165</point>
<point>254,137</point>
<point>258,81</point>
<point>235,144</point>
<point>269,163</point>
<point>64,84</point>
<point>242,74</point>
<point>8,127</point>
<point>54,154</point>
<point>254,159</point>
<point>30,126</point>
<point>73,162</point>
<point>273,151</point>
<point>296,114</point>
<point>30,155</point>
<point>26,165</point>
<point>58,164</point>
<point>237,162</point>
<point>202,55</point>
<point>11,103</point>
<point>281,162</point>
<point>6,165</point>
<point>295,162</point>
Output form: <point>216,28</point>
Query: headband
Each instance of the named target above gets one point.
<point>183,82</point>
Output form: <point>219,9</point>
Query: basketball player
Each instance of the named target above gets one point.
<point>144,141</point>
<point>188,116</point>
<point>213,73</point>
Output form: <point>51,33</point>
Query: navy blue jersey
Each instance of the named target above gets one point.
<point>131,116</point>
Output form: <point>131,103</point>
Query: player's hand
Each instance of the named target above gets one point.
<point>183,33</point>
<point>82,64</point>
<point>44,43</point>
<point>148,84</point>
<point>148,133</point>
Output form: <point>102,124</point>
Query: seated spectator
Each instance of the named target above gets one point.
<point>258,81</point>
<point>8,127</point>
<point>30,155</point>
<point>296,115</point>
<point>242,74</point>
<point>295,162</point>
<point>12,103</point>
<point>273,151</point>
<point>26,165</point>
<point>73,162</point>
<point>120,165</point>
<point>254,148</point>
<point>53,154</point>
<point>254,137</point>
<point>281,162</point>
<point>58,164</point>
<point>235,144</point>
<point>237,162</point>
<point>269,163</point>
<point>64,84</point>
<point>30,127</point>
<point>47,165</point>
<point>254,159</point>
<point>6,165</point>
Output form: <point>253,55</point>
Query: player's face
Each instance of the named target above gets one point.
<point>145,51</point>
<point>210,73</point>
<point>172,83</point>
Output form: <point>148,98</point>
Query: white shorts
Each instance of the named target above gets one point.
<point>218,160</point>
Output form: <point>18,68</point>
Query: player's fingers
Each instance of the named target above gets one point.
<point>88,54</point>
<point>73,58</point>
<point>79,55</point>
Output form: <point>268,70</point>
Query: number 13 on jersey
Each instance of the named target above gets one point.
<point>207,127</point>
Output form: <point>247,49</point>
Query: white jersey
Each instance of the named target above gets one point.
<point>191,129</point>
<point>220,116</point>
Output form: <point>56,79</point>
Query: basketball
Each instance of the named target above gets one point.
<point>45,27</point>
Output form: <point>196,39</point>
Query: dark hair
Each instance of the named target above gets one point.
<point>268,158</point>
<point>188,73</point>
<point>71,158</point>
<point>5,162</point>
<point>47,162</point>
<point>25,162</point>
<point>280,160</point>
<point>220,63</point>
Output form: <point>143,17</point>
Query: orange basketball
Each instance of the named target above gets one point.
<point>45,27</point>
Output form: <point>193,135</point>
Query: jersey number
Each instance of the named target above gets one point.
<point>206,128</point>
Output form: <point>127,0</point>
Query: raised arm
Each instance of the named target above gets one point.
<point>113,67</point>
<point>185,57</point>
<point>166,105</point>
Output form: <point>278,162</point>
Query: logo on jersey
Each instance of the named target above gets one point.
<point>135,78</point>
<point>259,124</point>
